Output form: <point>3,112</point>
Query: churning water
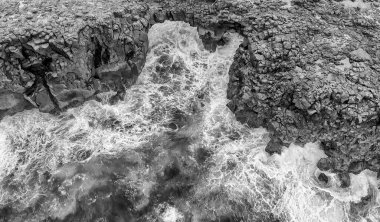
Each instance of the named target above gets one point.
<point>178,110</point>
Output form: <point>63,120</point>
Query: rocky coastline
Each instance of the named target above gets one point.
<point>309,72</point>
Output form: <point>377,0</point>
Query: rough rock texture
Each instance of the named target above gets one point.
<point>66,52</point>
<point>307,72</point>
<point>312,73</point>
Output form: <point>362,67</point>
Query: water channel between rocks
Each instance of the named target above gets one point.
<point>173,129</point>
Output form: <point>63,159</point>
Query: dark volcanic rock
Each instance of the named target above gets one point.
<point>326,164</point>
<point>70,55</point>
<point>344,180</point>
<point>274,146</point>
<point>323,178</point>
<point>65,55</point>
<point>11,103</point>
<point>306,77</point>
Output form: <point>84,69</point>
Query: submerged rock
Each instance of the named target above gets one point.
<point>11,103</point>
<point>344,180</point>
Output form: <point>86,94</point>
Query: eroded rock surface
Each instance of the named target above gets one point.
<point>66,52</point>
<point>311,73</point>
<point>61,56</point>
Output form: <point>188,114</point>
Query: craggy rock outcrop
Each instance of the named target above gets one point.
<point>64,55</point>
<point>307,72</point>
<point>311,73</point>
<point>66,52</point>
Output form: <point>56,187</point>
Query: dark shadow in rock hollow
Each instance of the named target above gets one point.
<point>323,178</point>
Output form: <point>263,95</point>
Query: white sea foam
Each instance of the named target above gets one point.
<point>8,159</point>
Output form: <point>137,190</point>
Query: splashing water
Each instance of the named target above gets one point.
<point>182,90</point>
